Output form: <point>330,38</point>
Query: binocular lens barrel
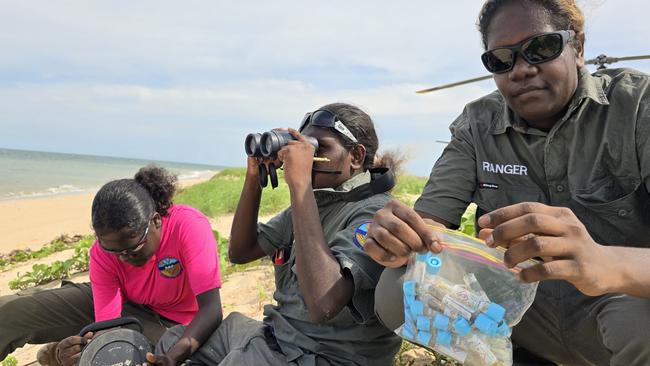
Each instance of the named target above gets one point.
<point>273,140</point>
<point>252,144</point>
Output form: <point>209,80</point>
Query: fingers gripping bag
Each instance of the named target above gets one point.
<point>463,301</point>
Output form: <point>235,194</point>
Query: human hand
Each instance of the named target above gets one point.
<point>297,158</point>
<point>68,351</point>
<point>252,167</point>
<point>396,232</point>
<point>158,360</point>
<point>531,230</point>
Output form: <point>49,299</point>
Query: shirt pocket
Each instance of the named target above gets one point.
<point>284,274</point>
<point>495,196</point>
<point>618,220</point>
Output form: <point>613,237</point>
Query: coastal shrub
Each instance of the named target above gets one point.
<point>9,361</point>
<point>44,273</point>
<point>220,195</point>
<point>59,244</point>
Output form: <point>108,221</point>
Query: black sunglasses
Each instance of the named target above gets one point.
<point>134,249</point>
<point>535,50</point>
<point>324,118</point>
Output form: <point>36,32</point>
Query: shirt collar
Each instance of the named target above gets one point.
<point>589,87</point>
<point>326,195</point>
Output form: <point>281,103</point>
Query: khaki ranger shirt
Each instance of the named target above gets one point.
<point>595,160</point>
<point>354,336</point>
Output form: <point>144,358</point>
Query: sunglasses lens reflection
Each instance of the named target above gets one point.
<point>542,48</point>
<point>538,49</point>
<point>498,60</point>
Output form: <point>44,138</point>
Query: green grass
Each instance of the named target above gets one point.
<point>408,188</point>
<point>409,184</point>
<point>220,195</point>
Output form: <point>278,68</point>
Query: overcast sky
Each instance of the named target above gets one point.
<point>186,81</point>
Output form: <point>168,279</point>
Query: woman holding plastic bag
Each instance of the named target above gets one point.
<point>558,162</point>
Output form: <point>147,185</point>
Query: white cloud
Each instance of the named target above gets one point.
<point>196,77</point>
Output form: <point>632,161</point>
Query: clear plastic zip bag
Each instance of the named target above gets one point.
<point>463,301</point>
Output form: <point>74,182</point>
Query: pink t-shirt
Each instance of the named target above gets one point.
<point>185,265</point>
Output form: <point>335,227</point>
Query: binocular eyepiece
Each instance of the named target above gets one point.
<point>268,144</point>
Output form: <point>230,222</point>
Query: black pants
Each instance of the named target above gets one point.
<point>40,316</point>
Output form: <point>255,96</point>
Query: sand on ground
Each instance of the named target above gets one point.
<point>30,223</point>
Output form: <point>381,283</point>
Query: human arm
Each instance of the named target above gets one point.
<point>531,230</point>
<point>328,289</point>
<point>243,247</point>
<point>205,322</point>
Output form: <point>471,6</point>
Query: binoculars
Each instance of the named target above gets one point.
<point>267,145</point>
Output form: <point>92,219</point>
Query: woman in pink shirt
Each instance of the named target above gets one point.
<point>152,259</point>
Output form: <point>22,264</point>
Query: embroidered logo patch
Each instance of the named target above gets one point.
<point>488,185</point>
<point>170,267</point>
<point>361,234</point>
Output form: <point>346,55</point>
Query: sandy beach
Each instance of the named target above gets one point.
<point>30,223</point>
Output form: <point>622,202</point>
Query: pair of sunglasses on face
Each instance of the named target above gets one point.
<point>134,249</point>
<point>535,50</point>
<point>324,118</point>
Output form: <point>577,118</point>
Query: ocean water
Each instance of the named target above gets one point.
<point>31,174</point>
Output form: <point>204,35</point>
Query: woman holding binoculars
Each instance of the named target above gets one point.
<point>325,282</point>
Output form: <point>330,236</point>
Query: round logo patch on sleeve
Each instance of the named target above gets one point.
<point>170,267</point>
<point>361,234</point>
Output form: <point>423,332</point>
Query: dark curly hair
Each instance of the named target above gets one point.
<point>361,126</point>
<point>562,15</point>
<point>130,203</point>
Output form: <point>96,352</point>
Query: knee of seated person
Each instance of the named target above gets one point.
<point>169,338</point>
<point>11,309</point>
<point>625,331</point>
<point>234,317</point>
<point>632,349</point>
<point>389,303</point>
